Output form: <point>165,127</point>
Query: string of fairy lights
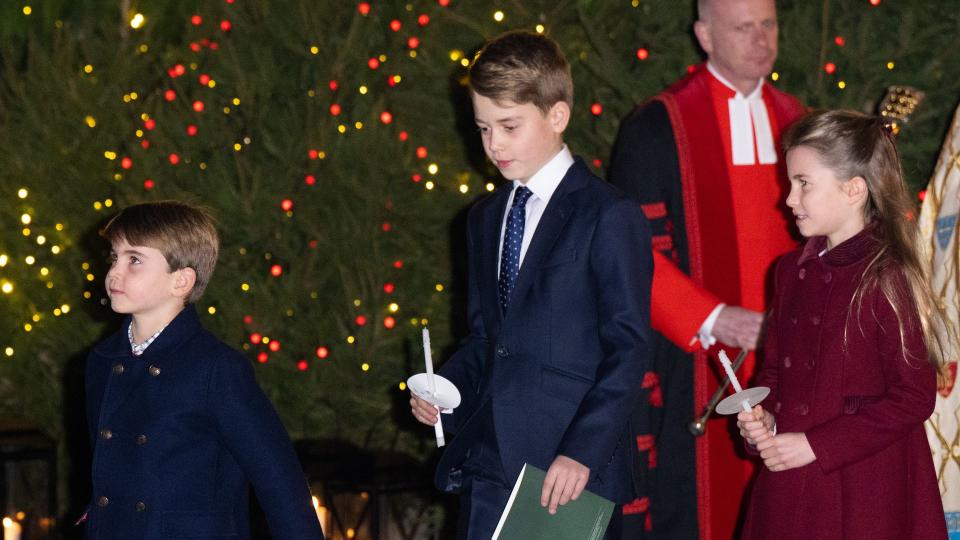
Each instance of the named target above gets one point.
<point>184,78</point>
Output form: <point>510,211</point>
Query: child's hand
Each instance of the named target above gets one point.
<point>786,451</point>
<point>756,426</point>
<point>565,481</point>
<point>423,411</point>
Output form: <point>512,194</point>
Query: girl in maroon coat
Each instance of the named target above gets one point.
<point>850,354</point>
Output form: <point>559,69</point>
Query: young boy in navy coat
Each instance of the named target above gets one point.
<point>178,424</point>
<point>559,293</point>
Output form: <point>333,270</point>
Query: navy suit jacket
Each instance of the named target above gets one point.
<point>561,370</point>
<point>178,433</point>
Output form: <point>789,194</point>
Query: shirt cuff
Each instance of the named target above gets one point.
<point>705,334</point>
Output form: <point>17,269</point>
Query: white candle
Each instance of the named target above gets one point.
<point>11,529</point>
<point>428,360</point>
<point>725,362</point>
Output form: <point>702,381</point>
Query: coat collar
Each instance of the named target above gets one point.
<point>849,251</point>
<point>182,327</point>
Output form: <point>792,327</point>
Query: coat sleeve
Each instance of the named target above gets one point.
<point>465,367</point>
<point>255,436</point>
<point>621,266</point>
<point>644,164</point>
<point>909,379</point>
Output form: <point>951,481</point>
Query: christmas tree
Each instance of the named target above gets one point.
<point>335,143</point>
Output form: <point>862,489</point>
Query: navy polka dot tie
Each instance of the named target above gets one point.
<point>512,240</point>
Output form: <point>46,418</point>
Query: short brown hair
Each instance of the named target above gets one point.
<point>522,67</point>
<point>186,236</point>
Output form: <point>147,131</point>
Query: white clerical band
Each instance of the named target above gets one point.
<point>748,117</point>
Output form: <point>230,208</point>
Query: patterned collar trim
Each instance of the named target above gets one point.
<point>136,348</point>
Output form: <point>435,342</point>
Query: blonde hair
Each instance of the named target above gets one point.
<point>186,236</point>
<point>522,67</point>
<point>852,144</point>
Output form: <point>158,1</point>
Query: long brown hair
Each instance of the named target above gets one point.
<point>852,144</point>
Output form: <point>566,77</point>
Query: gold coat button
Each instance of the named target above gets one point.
<point>118,369</point>
<point>140,506</point>
<point>103,501</point>
<point>154,370</point>
<point>141,440</point>
<point>106,434</point>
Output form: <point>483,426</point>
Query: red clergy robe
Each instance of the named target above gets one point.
<point>718,241</point>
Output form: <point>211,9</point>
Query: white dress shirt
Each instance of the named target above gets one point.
<point>542,184</point>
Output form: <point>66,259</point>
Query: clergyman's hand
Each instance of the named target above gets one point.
<point>738,327</point>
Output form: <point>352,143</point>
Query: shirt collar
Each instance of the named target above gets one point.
<point>546,180</point>
<point>138,348</point>
<point>755,94</point>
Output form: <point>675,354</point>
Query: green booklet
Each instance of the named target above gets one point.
<point>524,519</point>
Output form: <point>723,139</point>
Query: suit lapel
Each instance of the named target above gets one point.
<point>555,217</point>
<point>489,260</point>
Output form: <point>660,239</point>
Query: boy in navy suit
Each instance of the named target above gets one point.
<point>559,293</point>
<point>178,424</point>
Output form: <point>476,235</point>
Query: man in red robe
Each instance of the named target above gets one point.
<point>703,160</point>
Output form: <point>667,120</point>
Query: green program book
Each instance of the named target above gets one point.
<point>524,519</point>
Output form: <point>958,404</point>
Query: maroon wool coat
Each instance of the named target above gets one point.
<point>861,404</point>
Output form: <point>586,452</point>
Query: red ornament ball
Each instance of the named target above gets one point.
<point>395,25</point>
<point>204,79</point>
<point>839,41</point>
<point>691,68</point>
<point>389,288</point>
<point>874,3</point>
<point>443,3</point>
<point>421,152</point>
<point>373,63</point>
<point>198,106</point>
<point>360,320</point>
<point>276,270</point>
<point>225,25</point>
<point>312,244</point>
<point>247,319</point>
<point>413,42</point>
<point>363,8</point>
<point>149,124</point>
<point>922,194</point>
<point>389,322</point>
<point>398,264</point>
<point>403,136</point>
<point>596,109</point>
<point>148,184</point>
<point>191,130</point>
<point>194,46</point>
<point>169,95</point>
<point>145,144</point>
<point>386,226</point>
<point>274,346</point>
<point>416,177</point>
<point>310,180</point>
<point>179,69</point>
<point>643,53</point>
<point>323,352</point>
<point>174,159</point>
<point>196,20</point>
<point>335,109</point>
<point>423,19</point>
<point>386,117</point>
<point>830,68</point>
<point>313,154</point>
<point>256,338</point>
<point>302,365</point>
<point>214,46</point>
<point>263,357</point>
<point>286,205</point>
<point>334,85</point>
<point>126,163</point>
